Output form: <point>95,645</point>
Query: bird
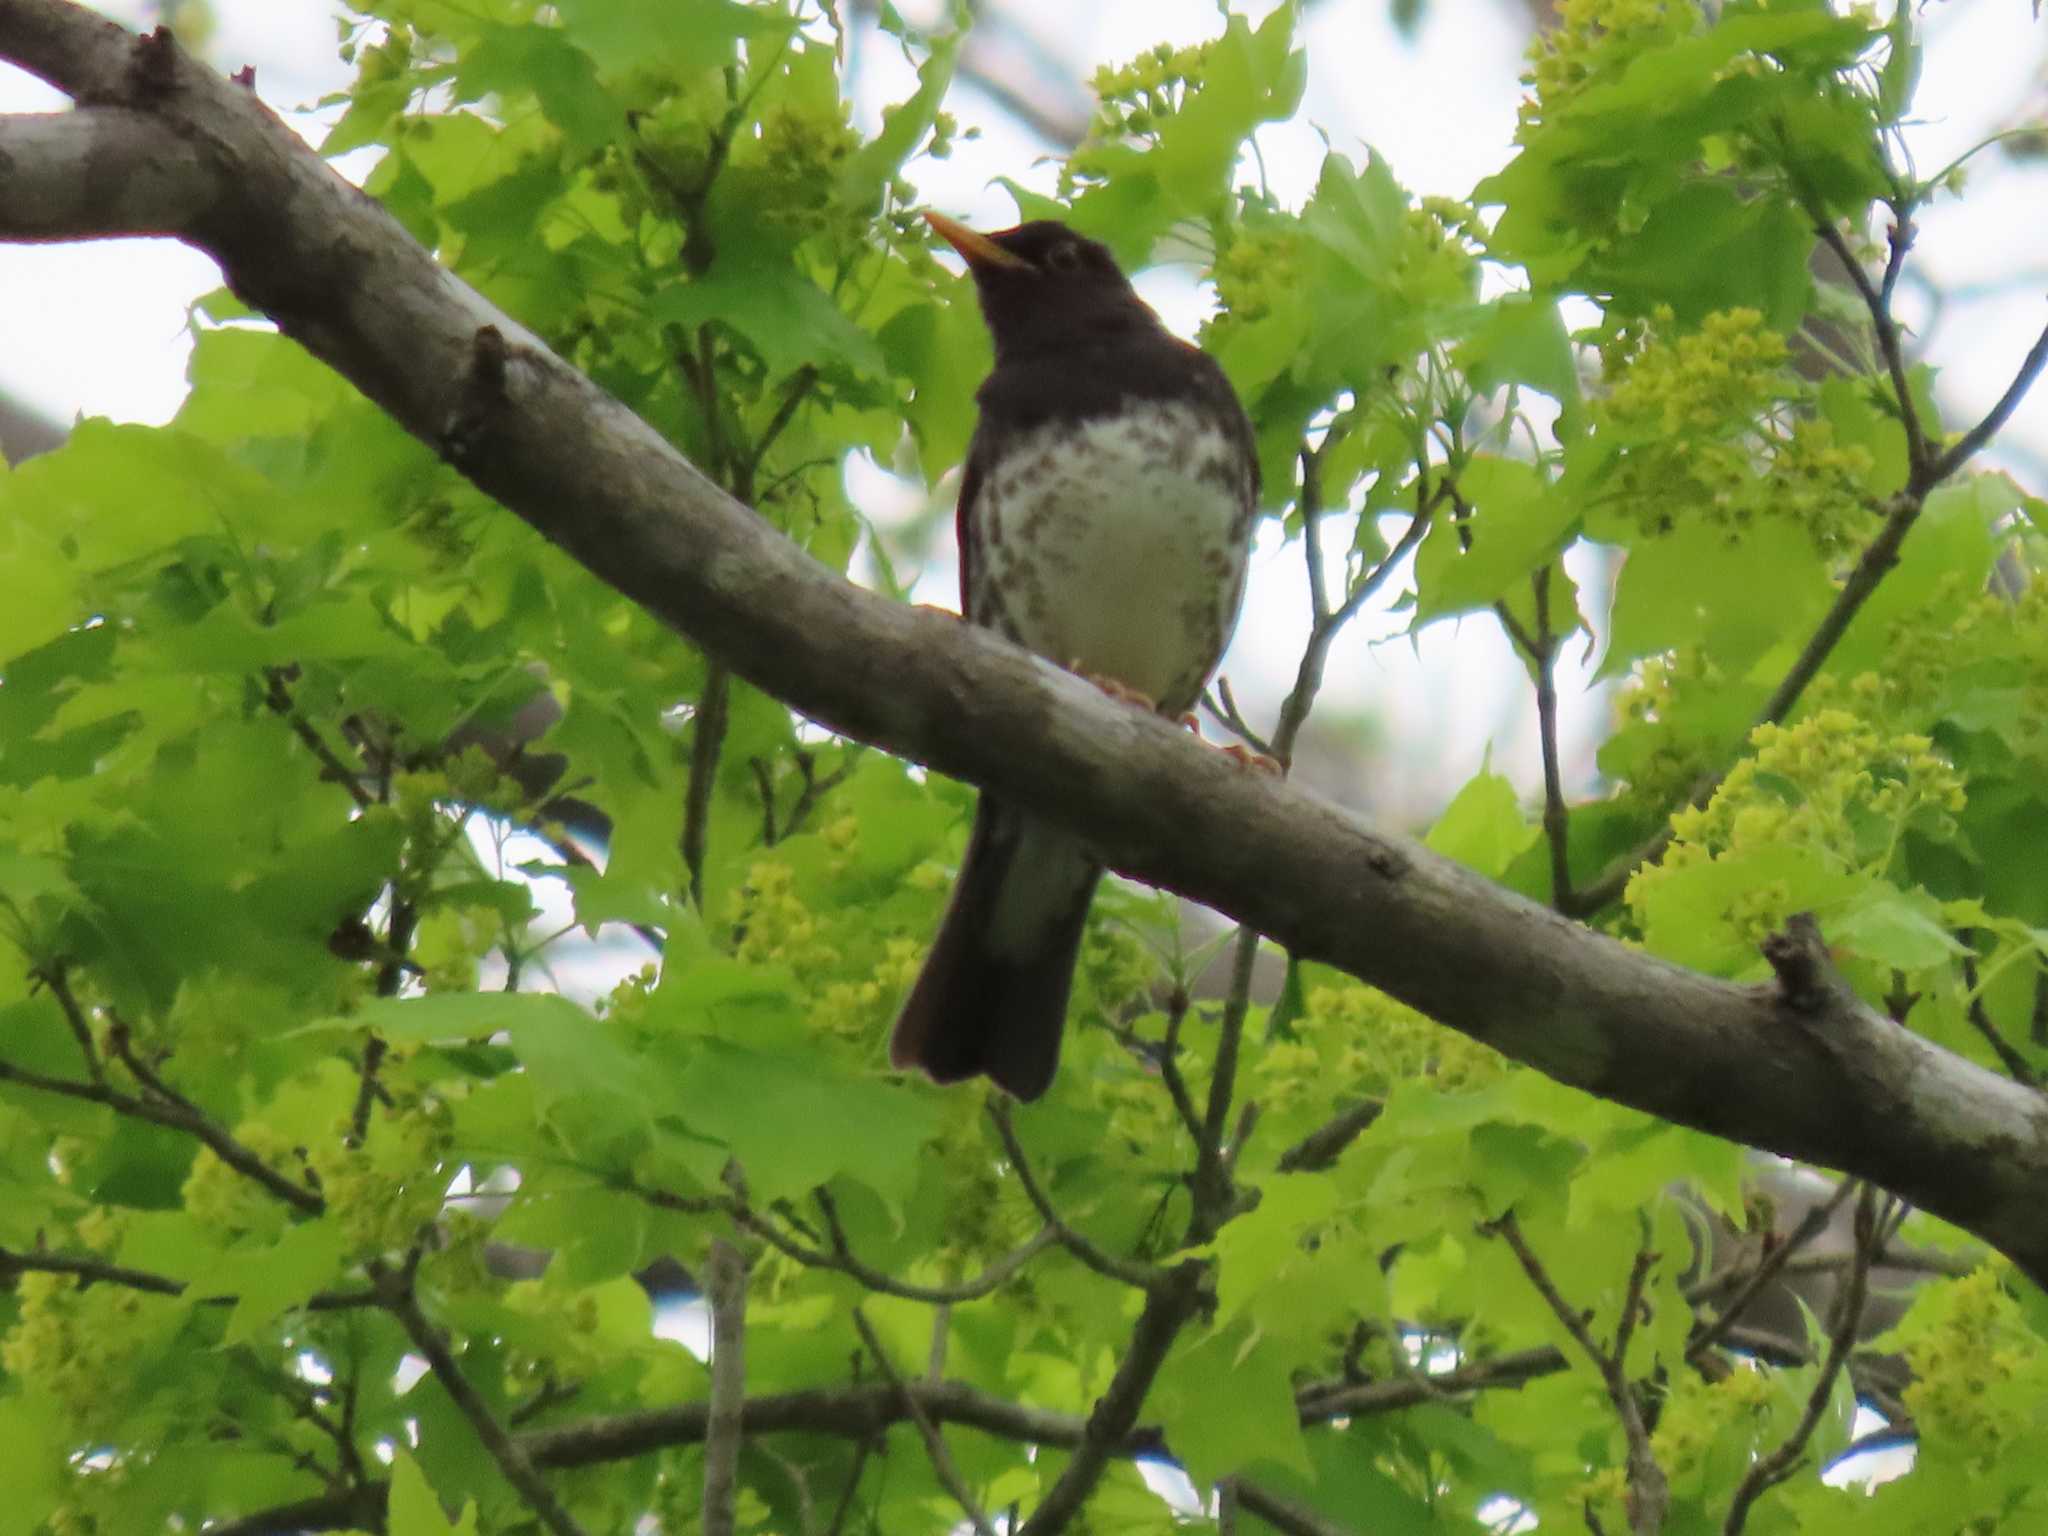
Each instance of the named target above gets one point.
<point>1105,519</point>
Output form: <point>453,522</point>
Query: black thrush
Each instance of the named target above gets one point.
<point>1105,518</point>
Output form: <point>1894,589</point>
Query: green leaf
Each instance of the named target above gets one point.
<point>269,1281</point>
<point>413,1509</point>
<point>1225,1400</point>
<point>793,1124</point>
<point>626,35</point>
<point>1738,595</point>
<point>1901,929</point>
<point>786,318</point>
<point>32,1473</point>
<point>1483,827</point>
<point>1520,339</point>
<point>1519,521</point>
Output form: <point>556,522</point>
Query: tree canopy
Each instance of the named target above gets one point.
<point>495,565</point>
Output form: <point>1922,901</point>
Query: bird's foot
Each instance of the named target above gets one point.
<point>1258,762</point>
<point>1123,693</point>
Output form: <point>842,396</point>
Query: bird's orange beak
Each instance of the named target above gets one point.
<point>976,248</point>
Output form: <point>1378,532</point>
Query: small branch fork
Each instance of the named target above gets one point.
<point>1540,650</point>
<point>1649,1495</point>
<point>1768,1470</point>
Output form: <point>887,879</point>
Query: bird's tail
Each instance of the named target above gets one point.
<point>992,997</point>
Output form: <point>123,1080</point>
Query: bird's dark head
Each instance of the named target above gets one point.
<point>1043,285</point>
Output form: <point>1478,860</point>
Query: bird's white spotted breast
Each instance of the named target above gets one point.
<point>1117,545</point>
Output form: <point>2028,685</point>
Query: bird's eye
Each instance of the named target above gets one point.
<point>1065,257</point>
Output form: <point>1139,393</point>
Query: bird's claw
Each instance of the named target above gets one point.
<point>1123,693</point>
<point>1258,762</point>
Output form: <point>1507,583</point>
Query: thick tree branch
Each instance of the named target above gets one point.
<point>1845,1087</point>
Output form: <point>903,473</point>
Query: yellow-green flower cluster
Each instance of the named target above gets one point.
<point>1261,263</point>
<point>1980,1375</point>
<point>856,1010</point>
<point>232,1205</point>
<point>82,1345</point>
<point>1697,1413</point>
<point>790,168</point>
<point>773,925</point>
<point>1699,429</point>
<point>1133,99</point>
<point>1833,783</point>
<point>386,1191</point>
<point>1359,1037</point>
<point>850,976</point>
<point>1594,40</point>
<point>1656,706</point>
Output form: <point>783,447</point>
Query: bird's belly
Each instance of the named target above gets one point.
<point>1117,547</point>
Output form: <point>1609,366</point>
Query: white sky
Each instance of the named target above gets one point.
<point>100,329</point>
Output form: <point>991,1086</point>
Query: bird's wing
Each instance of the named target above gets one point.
<point>970,487</point>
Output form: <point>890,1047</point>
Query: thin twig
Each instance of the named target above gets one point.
<point>1540,650</point>
<point>1811,1225</point>
<point>707,743</point>
<point>1889,344</point>
<point>1169,1063</point>
<point>1649,1495</point>
<point>366,1091</point>
<point>57,978</point>
<point>93,1271</point>
<point>1966,446</point>
<point>1980,1018</point>
<point>842,1259</point>
<point>725,1289</point>
<point>1168,1306</point>
<point>279,698</point>
<point>434,1348</point>
<point>1321,1147</point>
<point>1284,1515</point>
<point>179,1114</point>
<point>800,385</point>
<point>1143,1276</point>
<point>934,1443</point>
<point>1769,1470</point>
<point>1222,704</point>
<point>845,1505</point>
<point>1215,1199</point>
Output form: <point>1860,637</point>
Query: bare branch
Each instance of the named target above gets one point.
<point>989,1280</point>
<point>1167,1308</point>
<point>934,1443</point>
<point>725,1288</point>
<point>1215,1199</point>
<point>1321,1147</point>
<point>1889,345</point>
<point>57,978</point>
<point>1811,1225</point>
<point>1980,1019</point>
<point>94,1271</point>
<point>707,743</point>
<point>179,1114</point>
<point>434,1348</point>
<point>1769,1470</point>
<point>1144,1276</point>
<point>1649,1496</point>
<point>1967,446</point>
